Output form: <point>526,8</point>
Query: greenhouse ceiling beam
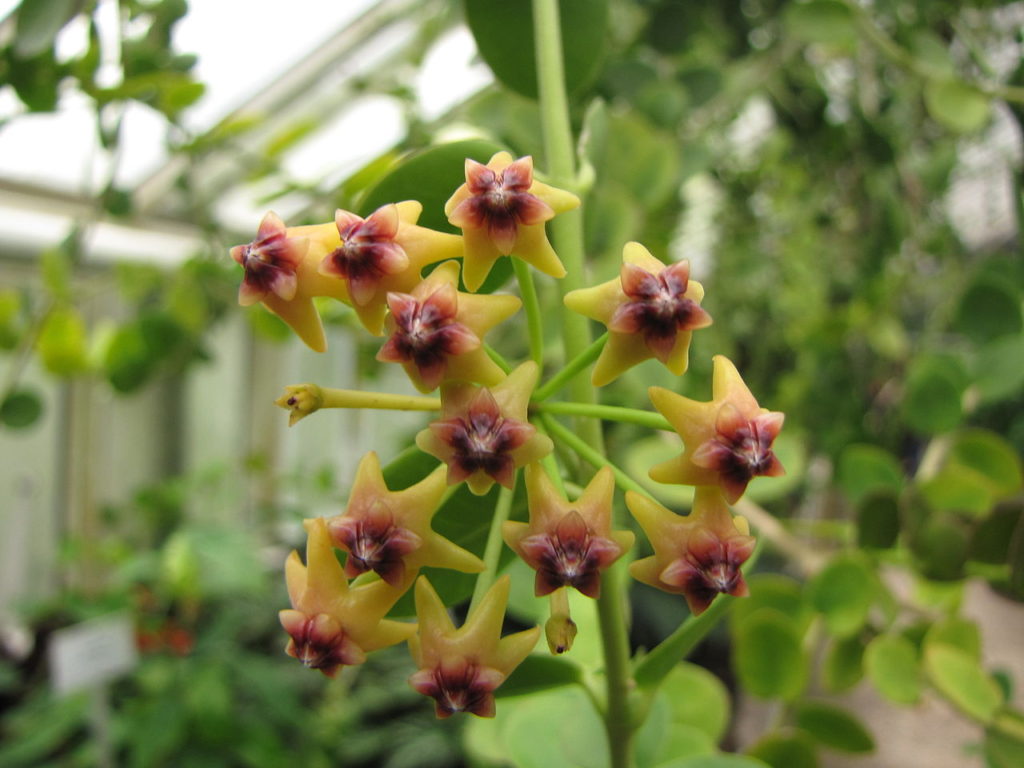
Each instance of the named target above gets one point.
<point>280,96</point>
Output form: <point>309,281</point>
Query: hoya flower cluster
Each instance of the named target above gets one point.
<point>483,432</point>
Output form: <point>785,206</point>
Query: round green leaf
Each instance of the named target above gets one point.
<point>843,591</point>
<point>992,457</point>
<point>1004,742</point>
<point>504,37</point>
<point>538,734</point>
<point>786,750</point>
<point>892,665</point>
<point>715,761</point>
<point>878,520</point>
<point>961,634</point>
<point>21,408</point>
<point>932,398</point>
<point>768,655</point>
<point>821,21</point>
<point>990,539</point>
<point>988,309</point>
<point>38,22</point>
<point>833,727</point>
<point>941,550</point>
<point>773,590</point>
<point>956,105</point>
<point>999,368</point>
<point>128,360</point>
<point>844,664</point>
<point>697,698</point>
<point>864,469</point>
<point>62,342</point>
<point>961,679</point>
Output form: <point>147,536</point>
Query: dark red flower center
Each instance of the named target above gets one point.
<point>499,201</point>
<point>271,262</point>
<point>741,448</point>
<point>657,307</point>
<point>374,543</point>
<point>426,333</point>
<point>710,566</point>
<point>571,556</point>
<point>482,440</point>
<point>319,642</point>
<point>461,688</point>
<point>368,251</point>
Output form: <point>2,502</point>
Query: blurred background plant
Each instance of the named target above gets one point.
<point>845,180</point>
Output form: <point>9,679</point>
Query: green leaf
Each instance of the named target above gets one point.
<point>992,457</point>
<point>56,268</point>
<point>988,309</point>
<point>1004,741</point>
<point>668,732</point>
<point>821,21</point>
<point>962,680</point>
<point>844,664</point>
<point>865,469</point>
<point>773,590</point>
<point>540,673</point>
<point>833,727</point>
<point>878,520</point>
<point>505,39</point>
<point>998,369</point>
<point>941,549</point>
<point>956,105</point>
<point>62,342</point>
<point>960,634</point>
<point>768,655</point>
<point>893,668</point>
<point>697,698</point>
<point>128,361</point>
<point>932,398</point>
<point>786,750</point>
<point>538,734</point>
<point>990,540</point>
<point>38,22</point>
<point>843,591</point>
<point>715,761</point>
<point>20,409</point>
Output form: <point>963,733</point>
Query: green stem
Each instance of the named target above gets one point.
<point>588,454</point>
<point>498,358</point>
<point>534,318</point>
<point>609,412</point>
<point>574,366</point>
<point>567,237</point>
<point>492,550</point>
<point>354,398</point>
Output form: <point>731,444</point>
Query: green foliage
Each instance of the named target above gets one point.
<point>768,655</point>
<point>504,36</point>
<point>892,666</point>
<point>833,727</point>
<point>20,408</point>
<point>843,592</point>
<point>786,750</point>
<point>962,680</point>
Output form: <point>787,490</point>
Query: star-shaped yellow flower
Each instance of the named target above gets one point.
<point>436,331</point>
<point>384,252</point>
<point>651,310</point>
<point>332,624</point>
<point>728,441</point>
<point>461,668</point>
<point>501,210</point>
<point>568,543</point>
<point>483,433</point>
<point>281,271</point>
<point>389,531</point>
<point>698,556</point>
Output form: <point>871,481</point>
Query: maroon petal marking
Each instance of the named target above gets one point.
<point>426,333</point>
<point>319,642</point>
<point>500,201</point>
<point>571,556</point>
<point>710,566</point>
<point>374,543</point>
<point>482,440</point>
<point>461,687</point>
<point>657,307</point>
<point>270,262</point>
<point>741,448</point>
<point>368,251</point>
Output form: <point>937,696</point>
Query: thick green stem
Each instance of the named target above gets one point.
<point>498,358</point>
<point>567,235</point>
<point>573,367</point>
<point>534,318</point>
<point>492,550</point>
<point>354,398</point>
<point>609,412</point>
